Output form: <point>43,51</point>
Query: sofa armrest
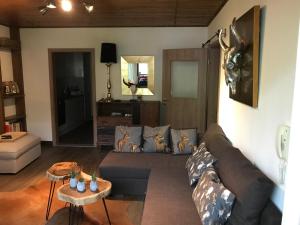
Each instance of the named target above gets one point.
<point>271,215</point>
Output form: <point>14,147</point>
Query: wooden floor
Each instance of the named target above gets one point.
<point>88,158</point>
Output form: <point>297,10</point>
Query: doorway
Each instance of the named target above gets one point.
<point>191,81</point>
<point>72,88</point>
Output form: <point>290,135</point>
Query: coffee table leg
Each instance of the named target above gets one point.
<point>106,211</point>
<point>75,214</point>
<point>50,197</point>
<point>70,214</point>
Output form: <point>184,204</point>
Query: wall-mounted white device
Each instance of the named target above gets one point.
<point>283,136</point>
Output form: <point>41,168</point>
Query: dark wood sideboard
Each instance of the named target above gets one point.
<point>126,113</point>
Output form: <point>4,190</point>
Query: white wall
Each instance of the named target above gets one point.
<point>291,213</point>
<point>130,41</point>
<point>254,130</point>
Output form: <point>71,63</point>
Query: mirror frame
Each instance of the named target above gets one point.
<point>125,60</point>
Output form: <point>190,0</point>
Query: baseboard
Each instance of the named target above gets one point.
<point>47,143</point>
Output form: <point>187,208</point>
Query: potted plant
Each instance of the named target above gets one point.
<point>73,180</point>
<point>93,183</point>
<point>81,185</point>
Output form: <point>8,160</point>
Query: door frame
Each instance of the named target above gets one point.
<point>188,55</point>
<point>53,94</point>
<point>213,77</point>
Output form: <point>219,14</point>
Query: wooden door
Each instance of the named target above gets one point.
<point>149,113</point>
<point>189,109</point>
<point>2,114</point>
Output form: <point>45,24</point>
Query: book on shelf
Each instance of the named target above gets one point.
<point>12,126</point>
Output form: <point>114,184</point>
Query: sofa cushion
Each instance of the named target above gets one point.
<point>124,172</point>
<point>168,199</point>
<point>213,201</point>
<point>183,141</point>
<point>214,130</point>
<point>144,160</point>
<point>250,186</point>
<point>156,139</point>
<point>128,139</point>
<point>197,163</point>
<point>270,215</point>
<point>167,186</point>
<point>216,141</point>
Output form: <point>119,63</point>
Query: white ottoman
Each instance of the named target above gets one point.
<point>14,156</point>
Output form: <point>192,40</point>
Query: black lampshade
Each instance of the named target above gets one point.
<point>108,53</point>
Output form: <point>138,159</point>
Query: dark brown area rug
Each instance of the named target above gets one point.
<point>28,207</point>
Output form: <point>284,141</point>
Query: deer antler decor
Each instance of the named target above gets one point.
<point>133,87</point>
<point>233,57</point>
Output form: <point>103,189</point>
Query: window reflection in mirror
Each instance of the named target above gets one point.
<point>138,70</point>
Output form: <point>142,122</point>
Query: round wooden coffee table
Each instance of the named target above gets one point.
<point>77,199</point>
<point>58,172</point>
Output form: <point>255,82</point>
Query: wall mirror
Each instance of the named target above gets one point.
<point>137,71</point>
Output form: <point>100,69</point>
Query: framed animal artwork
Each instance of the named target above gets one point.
<point>241,58</point>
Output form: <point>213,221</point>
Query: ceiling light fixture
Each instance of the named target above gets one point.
<point>88,7</point>
<point>66,5</point>
<point>51,4</point>
<point>43,10</point>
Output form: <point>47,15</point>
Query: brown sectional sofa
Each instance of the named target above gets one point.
<point>163,179</point>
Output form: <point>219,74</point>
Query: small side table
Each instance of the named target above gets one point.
<point>77,200</point>
<point>58,172</point>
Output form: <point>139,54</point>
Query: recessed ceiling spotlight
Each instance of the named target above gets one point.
<point>88,7</point>
<point>66,5</point>
<point>43,9</point>
<point>51,4</point>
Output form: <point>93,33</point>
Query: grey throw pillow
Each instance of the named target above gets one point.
<point>156,139</point>
<point>128,139</point>
<point>198,163</point>
<point>213,201</point>
<point>183,141</point>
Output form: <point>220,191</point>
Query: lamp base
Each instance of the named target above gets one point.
<point>108,85</point>
<point>108,99</point>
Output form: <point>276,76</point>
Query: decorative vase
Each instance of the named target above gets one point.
<point>93,185</point>
<point>80,186</point>
<point>73,182</point>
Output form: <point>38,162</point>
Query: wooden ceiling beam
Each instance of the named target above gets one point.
<point>108,13</point>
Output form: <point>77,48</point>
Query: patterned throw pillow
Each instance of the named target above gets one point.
<point>156,139</point>
<point>183,141</point>
<point>128,139</point>
<point>198,149</point>
<point>210,174</point>
<point>198,163</point>
<point>213,201</point>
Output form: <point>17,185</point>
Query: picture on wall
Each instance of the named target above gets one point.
<point>248,27</point>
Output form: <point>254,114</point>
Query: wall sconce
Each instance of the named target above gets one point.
<point>108,56</point>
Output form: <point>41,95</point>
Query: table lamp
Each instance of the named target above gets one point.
<point>108,56</point>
